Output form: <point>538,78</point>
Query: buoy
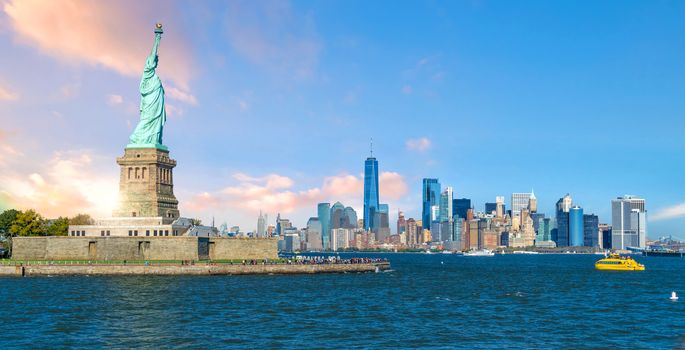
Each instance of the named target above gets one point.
<point>674,296</point>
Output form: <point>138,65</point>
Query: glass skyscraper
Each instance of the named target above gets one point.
<point>490,208</point>
<point>370,193</point>
<point>460,207</point>
<point>324,214</point>
<point>446,205</point>
<point>431,197</point>
<point>562,236</point>
<point>591,230</point>
<point>576,229</point>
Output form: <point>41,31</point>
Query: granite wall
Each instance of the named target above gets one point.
<point>141,248</point>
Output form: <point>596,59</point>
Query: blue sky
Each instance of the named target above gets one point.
<point>272,104</point>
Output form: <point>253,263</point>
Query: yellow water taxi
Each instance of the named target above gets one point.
<point>615,262</point>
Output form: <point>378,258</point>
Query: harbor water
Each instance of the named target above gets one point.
<point>425,301</point>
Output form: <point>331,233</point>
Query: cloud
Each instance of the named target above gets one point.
<point>69,90</point>
<point>7,95</point>
<point>275,193</point>
<point>180,95</point>
<point>420,145</point>
<point>67,184</point>
<point>116,35</point>
<point>669,212</point>
<point>113,100</point>
<point>270,34</point>
<point>173,111</point>
<point>8,153</point>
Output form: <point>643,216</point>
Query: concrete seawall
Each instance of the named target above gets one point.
<point>180,270</point>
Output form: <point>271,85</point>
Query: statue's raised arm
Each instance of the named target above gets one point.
<point>158,37</point>
<point>148,133</point>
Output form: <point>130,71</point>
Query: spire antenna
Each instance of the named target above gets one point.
<point>372,147</point>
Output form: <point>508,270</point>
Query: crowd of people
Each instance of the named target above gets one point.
<point>314,260</point>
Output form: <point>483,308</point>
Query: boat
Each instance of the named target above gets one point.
<point>615,262</point>
<point>525,252</point>
<point>674,296</point>
<point>479,252</point>
<point>447,252</point>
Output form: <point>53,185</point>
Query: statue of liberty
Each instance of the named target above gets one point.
<point>148,133</point>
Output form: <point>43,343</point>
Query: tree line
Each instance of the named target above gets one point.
<point>15,223</point>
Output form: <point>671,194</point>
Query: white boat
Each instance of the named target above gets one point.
<point>524,252</point>
<point>479,252</point>
<point>447,252</point>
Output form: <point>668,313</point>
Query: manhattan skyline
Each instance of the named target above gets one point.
<point>489,97</point>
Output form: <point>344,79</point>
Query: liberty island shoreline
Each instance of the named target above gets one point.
<point>185,269</point>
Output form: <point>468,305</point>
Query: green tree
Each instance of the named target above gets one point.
<point>6,219</point>
<point>57,227</point>
<point>81,219</point>
<point>28,223</point>
<point>196,222</point>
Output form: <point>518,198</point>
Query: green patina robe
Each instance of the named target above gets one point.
<point>148,133</point>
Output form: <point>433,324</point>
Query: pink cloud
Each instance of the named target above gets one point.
<point>115,35</point>
<point>421,144</point>
<point>114,100</point>
<point>274,193</point>
<point>7,95</point>
<point>67,184</point>
<point>180,95</point>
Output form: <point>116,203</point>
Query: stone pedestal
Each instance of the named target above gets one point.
<point>146,186</point>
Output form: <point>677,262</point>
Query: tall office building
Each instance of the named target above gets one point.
<point>629,222</point>
<point>446,204</point>
<point>605,230</point>
<point>351,215</point>
<point>533,202</point>
<point>537,219</point>
<point>382,222</point>
<point>338,218</point>
<point>434,223</point>
<point>458,226</point>
<point>412,232</point>
<point>401,223</point>
<point>499,202</point>
<point>431,197</point>
<point>261,225</point>
<point>371,200</point>
<point>314,240</point>
<point>563,207</point>
<point>491,208</point>
<point>576,228</point>
<point>591,230</point>
<point>324,214</point>
<point>519,201</point>
<point>543,233</point>
<point>460,207</point>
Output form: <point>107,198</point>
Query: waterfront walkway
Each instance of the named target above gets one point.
<point>306,265</point>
